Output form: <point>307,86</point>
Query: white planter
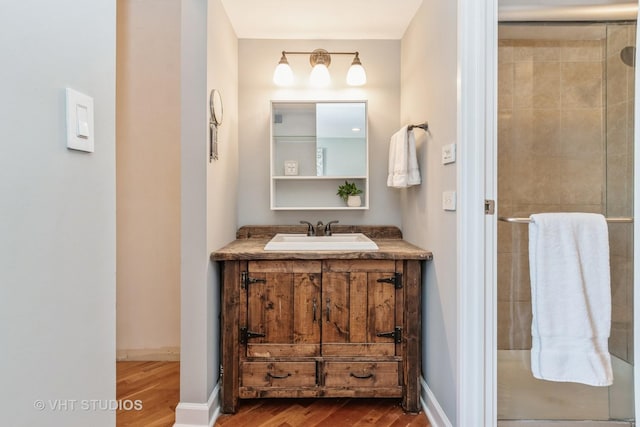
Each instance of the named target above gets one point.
<point>354,201</point>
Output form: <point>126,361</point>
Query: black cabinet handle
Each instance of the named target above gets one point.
<point>278,377</point>
<point>315,309</point>
<point>328,309</point>
<point>361,377</point>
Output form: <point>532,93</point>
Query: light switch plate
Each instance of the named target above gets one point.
<point>79,121</point>
<point>448,154</point>
<point>449,200</point>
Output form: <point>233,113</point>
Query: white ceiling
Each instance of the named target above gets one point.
<point>321,19</point>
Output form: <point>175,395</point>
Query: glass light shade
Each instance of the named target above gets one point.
<point>320,76</point>
<point>356,76</point>
<point>283,74</point>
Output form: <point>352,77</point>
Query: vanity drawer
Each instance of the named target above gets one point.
<point>278,374</point>
<point>361,374</point>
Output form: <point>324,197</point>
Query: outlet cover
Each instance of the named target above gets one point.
<point>448,154</point>
<point>449,200</point>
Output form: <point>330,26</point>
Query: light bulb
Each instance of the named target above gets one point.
<point>356,76</point>
<point>320,76</point>
<point>283,75</point>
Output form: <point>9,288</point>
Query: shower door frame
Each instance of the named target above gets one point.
<point>477,232</point>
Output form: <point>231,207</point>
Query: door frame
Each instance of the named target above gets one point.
<point>477,77</point>
<point>477,232</point>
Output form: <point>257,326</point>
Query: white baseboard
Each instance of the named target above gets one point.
<point>432,408</point>
<point>199,414</point>
<point>164,354</point>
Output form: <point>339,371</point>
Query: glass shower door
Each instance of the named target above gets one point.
<point>565,144</point>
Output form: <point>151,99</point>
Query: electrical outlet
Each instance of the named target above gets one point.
<point>449,200</point>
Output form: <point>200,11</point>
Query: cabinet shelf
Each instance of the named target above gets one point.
<point>314,177</point>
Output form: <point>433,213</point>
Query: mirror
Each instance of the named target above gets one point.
<point>321,139</point>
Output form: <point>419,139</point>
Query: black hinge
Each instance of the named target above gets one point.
<point>246,334</point>
<point>395,280</point>
<point>396,334</point>
<point>246,280</point>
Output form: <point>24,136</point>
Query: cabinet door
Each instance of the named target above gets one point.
<point>283,304</point>
<point>358,307</point>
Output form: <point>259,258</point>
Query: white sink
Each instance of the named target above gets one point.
<point>335,242</point>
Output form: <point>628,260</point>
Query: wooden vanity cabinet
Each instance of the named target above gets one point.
<point>320,324</point>
<point>320,328</point>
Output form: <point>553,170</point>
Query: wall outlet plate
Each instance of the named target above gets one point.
<point>291,167</point>
<point>449,200</point>
<point>448,154</point>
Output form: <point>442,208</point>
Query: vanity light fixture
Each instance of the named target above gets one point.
<point>320,60</point>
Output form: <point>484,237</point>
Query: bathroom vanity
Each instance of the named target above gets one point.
<point>320,323</point>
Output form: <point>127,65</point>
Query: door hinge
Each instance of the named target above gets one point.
<point>396,334</point>
<point>396,280</point>
<point>245,334</point>
<point>246,280</point>
<point>489,207</point>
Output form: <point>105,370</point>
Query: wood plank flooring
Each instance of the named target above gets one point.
<point>157,386</point>
<point>321,413</point>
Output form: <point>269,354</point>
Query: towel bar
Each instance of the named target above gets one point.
<point>528,220</point>
<point>424,126</point>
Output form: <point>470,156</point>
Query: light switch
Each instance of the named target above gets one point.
<point>82,116</point>
<point>448,154</point>
<point>79,121</point>
<point>449,200</point>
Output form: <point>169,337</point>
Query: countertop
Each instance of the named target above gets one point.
<point>251,240</point>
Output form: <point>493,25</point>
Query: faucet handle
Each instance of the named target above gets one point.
<point>327,227</point>
<point>310,230</point>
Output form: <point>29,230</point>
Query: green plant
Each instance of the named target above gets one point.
<point>348,189</point>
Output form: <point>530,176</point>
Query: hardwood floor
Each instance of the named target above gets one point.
<point>321,413</point>
<point>155,386</point>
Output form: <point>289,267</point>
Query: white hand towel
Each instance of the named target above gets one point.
<point>570,297</point>
<point>403,162</point>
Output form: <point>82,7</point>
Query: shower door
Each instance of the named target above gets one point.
<point>565,144</point>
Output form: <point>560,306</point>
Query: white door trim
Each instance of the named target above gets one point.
<point>477,50</point>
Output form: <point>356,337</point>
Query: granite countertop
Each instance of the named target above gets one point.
<point>251,240</point>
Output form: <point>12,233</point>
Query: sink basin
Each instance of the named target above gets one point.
<point>335,242</point>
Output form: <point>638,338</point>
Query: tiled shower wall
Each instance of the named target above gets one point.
<point>564,144</point>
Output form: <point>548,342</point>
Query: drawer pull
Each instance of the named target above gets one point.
<point>315,309</point>
<point>328,309</point>
<point>361,377</point>
<point>278,377</point>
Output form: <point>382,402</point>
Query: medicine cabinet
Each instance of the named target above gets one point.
<point>315,147</point>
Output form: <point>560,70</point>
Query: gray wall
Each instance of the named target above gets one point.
<point>257,60</point>
<point>208,216</point>
<point>57,244</point>
<point>429,92</point>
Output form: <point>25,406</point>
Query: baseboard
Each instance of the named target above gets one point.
<point>164,354</point>
<point>432,408</point>
<point>199,414</point>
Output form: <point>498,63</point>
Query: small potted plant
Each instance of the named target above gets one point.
<point>350,193</point>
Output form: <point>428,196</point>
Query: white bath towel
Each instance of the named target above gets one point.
<point>571,298</point>
<point>403,162</point>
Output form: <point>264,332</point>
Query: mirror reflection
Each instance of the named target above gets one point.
<point>319,139</point>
